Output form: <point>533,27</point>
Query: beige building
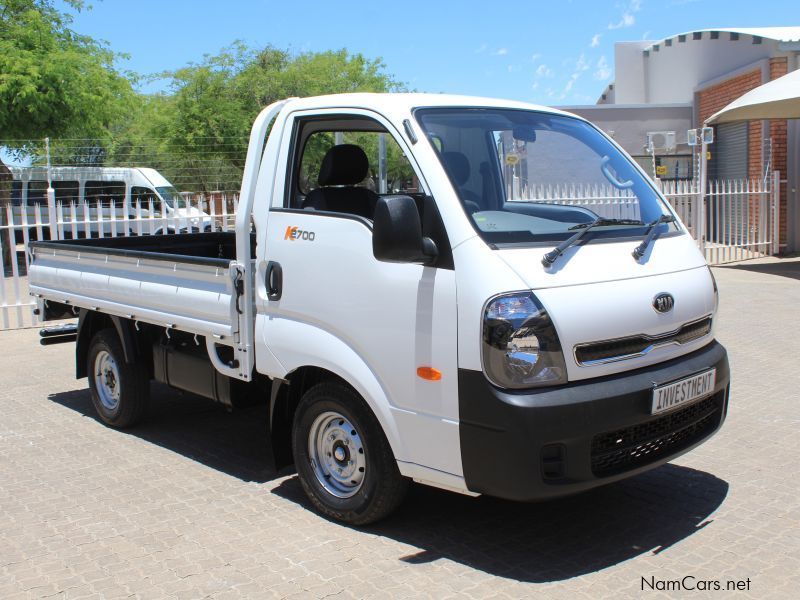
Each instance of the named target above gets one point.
<point>674,84</point>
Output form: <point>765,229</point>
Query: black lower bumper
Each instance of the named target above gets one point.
<point>557,441</point>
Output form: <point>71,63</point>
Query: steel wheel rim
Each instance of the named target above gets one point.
<point>106,379</point>
<point>337,455</point>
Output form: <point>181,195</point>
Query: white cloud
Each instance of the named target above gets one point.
<point>535,57</point>
<point>568,88</point>
<point>595,40</point>
<point>513,68</point>
<point>603,71</point>
<point>628,19</point>
<point>500,52</point>
<point>482,48</point>
<point>543,71</point>
<point>581,66</point>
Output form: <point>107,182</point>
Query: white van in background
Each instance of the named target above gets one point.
<point>88,195</point>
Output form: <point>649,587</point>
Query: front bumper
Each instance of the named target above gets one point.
<point>552,442</point>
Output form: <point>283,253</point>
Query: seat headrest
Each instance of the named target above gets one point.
<point>345,164</point>
<point>457,166</point>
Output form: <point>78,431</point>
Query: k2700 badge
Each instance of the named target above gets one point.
<point>295,233</point>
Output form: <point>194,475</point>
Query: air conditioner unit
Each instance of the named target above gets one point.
<point>661,140</point>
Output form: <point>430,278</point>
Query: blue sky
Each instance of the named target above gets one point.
<point>548,52</point>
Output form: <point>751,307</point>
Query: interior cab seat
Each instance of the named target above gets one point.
<point>457,166</point>
<point>343,167</point>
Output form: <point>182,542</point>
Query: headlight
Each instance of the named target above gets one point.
<point>520,344</point>
<point>716,289</point>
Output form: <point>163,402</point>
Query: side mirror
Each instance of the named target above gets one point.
<point>397,232</point>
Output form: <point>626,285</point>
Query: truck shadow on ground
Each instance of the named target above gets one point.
<point>554,540</point>
<point>537,542</point>
<point>787,267</point>
<point>233,443</point>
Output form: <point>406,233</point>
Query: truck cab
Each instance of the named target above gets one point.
<point>420,308</point>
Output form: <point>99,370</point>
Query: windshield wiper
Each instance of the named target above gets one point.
<point>652,229</point>
<point>551,257</point>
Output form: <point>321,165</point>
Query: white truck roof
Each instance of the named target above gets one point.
<point>397,103</point>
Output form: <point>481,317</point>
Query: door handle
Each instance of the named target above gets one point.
<point>274,280</point>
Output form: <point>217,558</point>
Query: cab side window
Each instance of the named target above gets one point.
<point>344,166</point>
<point>143,196</point>
<point>397,177</point>
<point>345,163</point>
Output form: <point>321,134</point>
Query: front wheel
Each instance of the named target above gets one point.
<point>343,460</point>
<point>120,391</point>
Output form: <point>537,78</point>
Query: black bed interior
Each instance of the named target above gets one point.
<point>217,245</point>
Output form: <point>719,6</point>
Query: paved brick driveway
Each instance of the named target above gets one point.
<point>185,507</point>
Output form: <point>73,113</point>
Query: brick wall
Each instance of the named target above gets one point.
<point>779,67</point>
<point>716,97</point>
<point>719,96</point>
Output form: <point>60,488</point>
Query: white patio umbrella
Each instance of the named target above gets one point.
<point>777,99</point>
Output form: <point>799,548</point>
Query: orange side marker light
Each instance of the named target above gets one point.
<point>429,373</point>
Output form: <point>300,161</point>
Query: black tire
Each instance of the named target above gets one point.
<point>382,489</point>
<point>131,381</point>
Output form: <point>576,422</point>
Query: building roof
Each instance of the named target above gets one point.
<point>779,34</point>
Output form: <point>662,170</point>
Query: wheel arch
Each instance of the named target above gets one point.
<point>90,323</point>
<point>287,392</point>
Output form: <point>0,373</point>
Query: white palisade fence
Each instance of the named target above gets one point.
<point>605,201</point>
<point>96,219</point>
<point>735,220</point>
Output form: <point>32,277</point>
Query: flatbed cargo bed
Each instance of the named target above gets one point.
<point>183,281</point>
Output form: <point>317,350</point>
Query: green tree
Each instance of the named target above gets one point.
<point>197,135</point>
<point>53,81</point>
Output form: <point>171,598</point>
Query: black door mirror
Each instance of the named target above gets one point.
<point>397,232</point>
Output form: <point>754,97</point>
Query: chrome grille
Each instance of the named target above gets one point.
<point>594,353</point>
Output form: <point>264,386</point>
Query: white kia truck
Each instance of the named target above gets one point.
<point>415,299</point>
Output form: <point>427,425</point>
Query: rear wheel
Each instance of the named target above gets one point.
<point>343,460</point>
<point>120,391</point>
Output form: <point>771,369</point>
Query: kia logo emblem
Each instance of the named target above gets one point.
<point>663,302</point>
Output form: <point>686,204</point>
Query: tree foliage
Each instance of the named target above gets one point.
<point>197,135</point>
<point>53,81</point>
<point>57,83</point>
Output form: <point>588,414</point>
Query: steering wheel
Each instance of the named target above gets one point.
<point>620,185</point>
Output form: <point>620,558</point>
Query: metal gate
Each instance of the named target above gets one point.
<point>738,218</point>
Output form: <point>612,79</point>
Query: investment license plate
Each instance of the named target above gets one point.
<point>683,391</point>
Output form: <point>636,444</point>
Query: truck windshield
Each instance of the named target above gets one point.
<point>530,177</point>
<point>171,196</point>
